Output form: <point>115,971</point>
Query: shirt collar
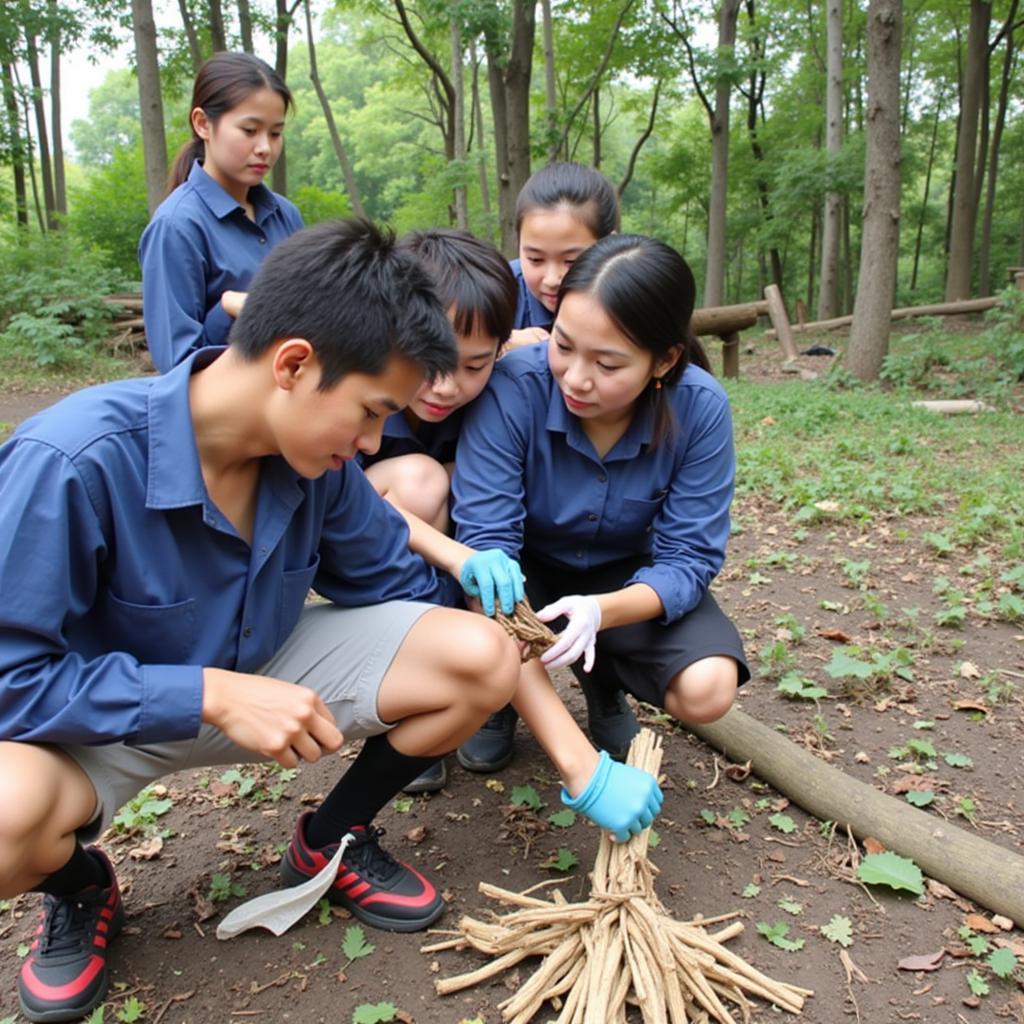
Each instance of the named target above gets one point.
<point>221,204</point>
<point>175,476</point>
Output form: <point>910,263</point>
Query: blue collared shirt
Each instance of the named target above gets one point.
<point>528,477</point>
<point>199,245</point>
<point>120,579</point>
<point>530,311</point>
<point>438,440</point>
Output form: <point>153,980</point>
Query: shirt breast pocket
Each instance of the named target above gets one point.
<point>295,586</point>
<point>636,515</point>
<point>153,634</point>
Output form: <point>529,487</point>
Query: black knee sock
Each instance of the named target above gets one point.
<point>376,775</point>
<point>81,871</point>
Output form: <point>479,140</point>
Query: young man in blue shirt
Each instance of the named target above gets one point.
<point>158,542</point>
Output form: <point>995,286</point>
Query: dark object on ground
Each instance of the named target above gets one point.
<point>818,350</point>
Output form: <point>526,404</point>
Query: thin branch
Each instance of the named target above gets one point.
<point>644,136</point>
<point>685,40</point>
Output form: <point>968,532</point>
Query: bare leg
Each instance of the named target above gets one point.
<point>416,483</point>
<point>703,691</point>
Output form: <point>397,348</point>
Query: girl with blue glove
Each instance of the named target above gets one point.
<point>604,463</point>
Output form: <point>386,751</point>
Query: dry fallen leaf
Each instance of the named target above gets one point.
<point>417,834</point>
<point>919,783</point>
<point>968,670</point>
<point>923,962</point>
<point>834,634</point>
<point>980,923</point>
<point>147,850</point>
<point>971,705</point>
<point>1002,922</point>
<point>872,845</point>
<point>861,757</point>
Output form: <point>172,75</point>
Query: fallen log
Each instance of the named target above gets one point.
<point>939,309</point>
<point>726,322</point>
<point>988,874</point>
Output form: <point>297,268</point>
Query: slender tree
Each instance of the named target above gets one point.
<point>879,251</point>
<point>459,122</point>
<point>828,281</point>
<point>147,64</point>
<point>42,133</point>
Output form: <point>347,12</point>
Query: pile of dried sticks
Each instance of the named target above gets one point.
<point>127,330</point>
<point>619,948</point>
<point>525,628</point>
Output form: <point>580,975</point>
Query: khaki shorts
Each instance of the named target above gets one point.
<point>341,653</point>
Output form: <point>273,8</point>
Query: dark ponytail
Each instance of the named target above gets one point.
<point>224,81</point>
<point>647,290</point>
<point>587,191</point>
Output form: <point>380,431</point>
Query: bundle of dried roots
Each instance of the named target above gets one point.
<point>525,628</point>
<point>619,947</point>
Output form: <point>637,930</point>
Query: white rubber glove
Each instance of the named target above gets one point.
<point>579,637</point>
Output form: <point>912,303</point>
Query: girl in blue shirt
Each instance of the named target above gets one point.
<point>604,462</point>
<point>219,220</point>
<point>563,209</point>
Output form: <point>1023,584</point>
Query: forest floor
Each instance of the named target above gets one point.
<point>841,557</point>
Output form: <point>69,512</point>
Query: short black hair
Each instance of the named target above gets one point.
<point>470,276</point>
<point>354,295</point>
<point>586,191</point>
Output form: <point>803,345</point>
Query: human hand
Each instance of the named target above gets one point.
<point>579,637</point>
<point>523,337</point>
<point>284,721</point>
<point>485,572</point>
<point>619,798</point>
<point>232,302</point>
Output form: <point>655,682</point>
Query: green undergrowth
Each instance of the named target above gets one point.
<point>824,452</point>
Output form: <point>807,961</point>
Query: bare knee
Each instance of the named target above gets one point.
<point>416,483</point>
<point>45,797</point>
<point>704,691</point>
<point>488,663</point>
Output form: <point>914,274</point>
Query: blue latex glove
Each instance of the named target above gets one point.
<point>485,572</point>
<point>620,798</point>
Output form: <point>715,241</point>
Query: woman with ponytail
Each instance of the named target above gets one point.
<point>219,220</point>
<point>603,462</point>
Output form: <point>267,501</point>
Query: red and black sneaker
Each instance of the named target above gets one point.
<point>371,884</point>
<point>65,974</point>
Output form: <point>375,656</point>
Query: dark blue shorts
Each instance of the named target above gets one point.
<point>643,657</point>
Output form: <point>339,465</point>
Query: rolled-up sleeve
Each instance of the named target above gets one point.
<point>51,550</point>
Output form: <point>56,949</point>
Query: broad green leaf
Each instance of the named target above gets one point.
<point>1002,962</point>
<point>708,817</point>
<point>354,945</point>
<point>842,666</point>
<point>374,1013</point>
<point>564,860</point>
<point>324,915</point>
<point>978,945</point>
<point>920,797</point>
<point>793,907</point>
<point>403,804</point>
<point>922,748</point>
<point>562,819</point>
<point>776,935</point>
<point>977,984</point>
<point>751,891</point>
<point>783,822</point>
<point>653,839</point>
<point>738,817</point>
<point>892,870</point>
<point>958,760</point>
<point>525,796</point>
<point>840,930</point>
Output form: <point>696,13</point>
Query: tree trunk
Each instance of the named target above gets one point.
<point>984,254</point>
<point>509,81</point>
<point>644,136</point>
<point>812,258</point>
<point>596,111</point>
<point>27,147</point>
<point>828,281</point>
<point>550,88</point>
<point>60,193</point>
<point>195,50</point>
<point>351,188</point>
<point>974,867</point>
<point>283,24</point>
<point>17,149</point>
<point>459,124</point>
<point>218,38</point>
<point>245,25</point>
<point>478,120</point>
<point>147,63</point>
<point>45,167</point>
<point>714,277</point>
<point>879,248</point>
<point>961,240</point>
<point>927,189</point>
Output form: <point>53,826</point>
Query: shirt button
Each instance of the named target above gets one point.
<point>579,554</point>
<point>247,632</point>
<point>263,240</point>
<point>601,478</point>
<point>592,517</point>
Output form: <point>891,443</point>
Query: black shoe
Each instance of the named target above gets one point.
<point>430,781</point>
<point>371,884</point>
<point>489,749</point>
<point>65,974</point>
<point>610,720</point>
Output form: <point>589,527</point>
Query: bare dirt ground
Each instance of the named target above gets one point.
<point>717,850</point>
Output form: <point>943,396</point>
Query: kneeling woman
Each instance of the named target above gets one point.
<point>604,462</point>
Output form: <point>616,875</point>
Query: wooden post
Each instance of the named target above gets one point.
<point>801,313</point>
<point>982,871</point>
<point>1019,279</point>
<point>731,354</point>
<point>777,311</point>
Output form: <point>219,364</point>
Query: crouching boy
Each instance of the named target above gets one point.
<point>158,540</point>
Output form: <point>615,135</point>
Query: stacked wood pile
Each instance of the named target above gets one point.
<point>616,949</point>
<point>127,330</point>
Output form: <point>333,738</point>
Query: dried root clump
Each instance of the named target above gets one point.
<point>619,947</point>
<point>525,628</point>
